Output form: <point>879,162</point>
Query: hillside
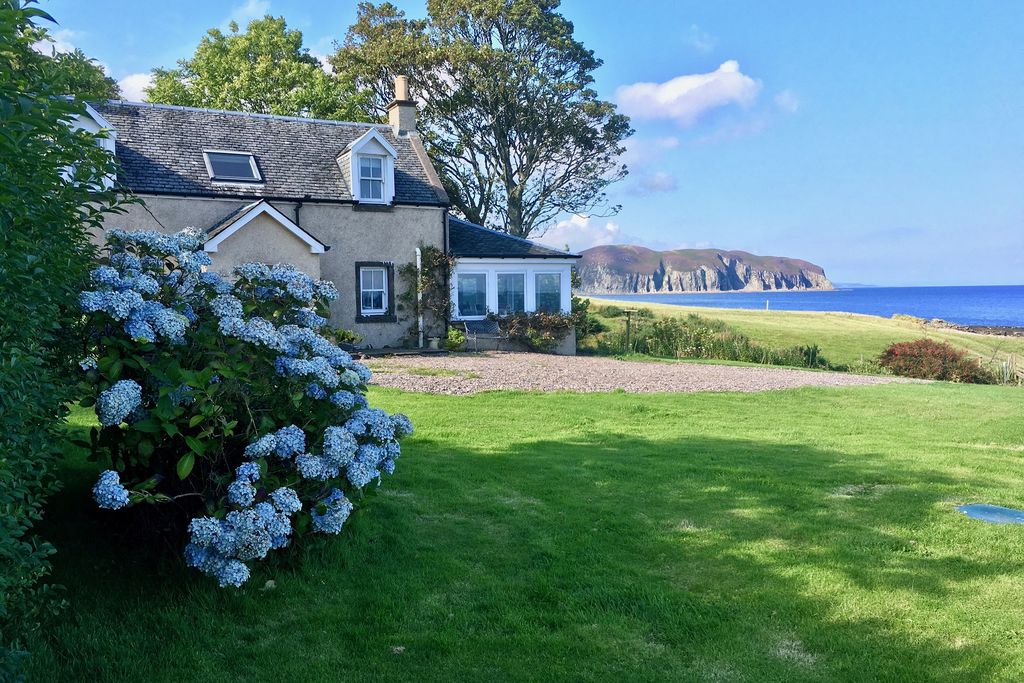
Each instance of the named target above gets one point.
<point>629,269</point>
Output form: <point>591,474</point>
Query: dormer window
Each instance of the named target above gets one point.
<point>371,178</point>
<point>232,167</point>
<point>369,165</point>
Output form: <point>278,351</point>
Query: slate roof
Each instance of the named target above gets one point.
<point>467,239</point>
<point>160,148</point>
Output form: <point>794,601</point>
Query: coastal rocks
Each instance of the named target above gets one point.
<point>638,270</point>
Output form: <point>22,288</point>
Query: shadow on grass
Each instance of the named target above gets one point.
<point>689,559</point>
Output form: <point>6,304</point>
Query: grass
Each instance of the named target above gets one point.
<point>844,338</point>
<point>804,535</point>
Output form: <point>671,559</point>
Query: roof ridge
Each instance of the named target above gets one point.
<point>247,114</point>
<point>499,233</point>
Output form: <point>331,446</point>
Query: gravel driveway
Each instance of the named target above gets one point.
<point>462,374</point>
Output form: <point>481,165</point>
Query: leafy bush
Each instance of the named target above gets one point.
<point>697,337</point>
<point>456,339</point>
<point>610,311</point>
<point>224,402</point>
<point>51,194</point>
<point>586,323</point>
<point>538,331</point>
<point>930,359</point>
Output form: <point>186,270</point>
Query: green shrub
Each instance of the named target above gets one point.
<point>45,253</point>
<point>538,331</point>
<point>697,337</point>
<point>930,359</point>
<point>456,339</point>
<point>610,311</point>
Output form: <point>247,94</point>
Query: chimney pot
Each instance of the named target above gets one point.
<point>402,110</point>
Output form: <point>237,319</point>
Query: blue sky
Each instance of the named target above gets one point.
<point>883,141</point>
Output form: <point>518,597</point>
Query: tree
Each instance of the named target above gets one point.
<point>510,116</point>
<point>383,44</point>
<point>263,70</point>
<point>51,194</point>
<point>78,75</point>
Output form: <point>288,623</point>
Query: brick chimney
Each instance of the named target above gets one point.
<point>402,110</point>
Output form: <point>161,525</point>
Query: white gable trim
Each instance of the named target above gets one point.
<point>258,209</point>
<point>371,134</point>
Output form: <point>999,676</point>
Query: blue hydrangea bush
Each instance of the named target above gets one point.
<point>226,399</point>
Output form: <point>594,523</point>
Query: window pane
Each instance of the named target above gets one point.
<point>371,189</point>
<point>371,167</point>
<point>231,166</point>
<point>549,292</point>
<point>472,294</point>
<point>373,290</point>
<point>511,293</point>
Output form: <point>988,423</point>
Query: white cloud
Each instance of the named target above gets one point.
<point>659,181</point>
<point>582,232</point>
<point>685,99</point>
<point>787,101</point>
<point>642,152</point>
<point>133,86</point>
<point>59,41</point>
<point>699,40</point>
<point>246,12</point>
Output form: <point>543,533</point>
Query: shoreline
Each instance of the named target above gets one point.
<point>935,323</point>
<point>721,291</point>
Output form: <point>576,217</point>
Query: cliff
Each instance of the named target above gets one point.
<point>626,269</point>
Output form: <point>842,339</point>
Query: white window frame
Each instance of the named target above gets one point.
<point>490,267</point>
<point>497,292</point>
<point>383,290</point>
<point>536,274</point>
<point>257,176</point>
<point>488,277</point>
<point>383,179</point>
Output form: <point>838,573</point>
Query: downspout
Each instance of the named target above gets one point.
<point>419,294</point>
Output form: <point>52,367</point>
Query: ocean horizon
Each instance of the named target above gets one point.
<point>985,305</point>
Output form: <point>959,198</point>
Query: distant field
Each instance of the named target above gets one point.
<point>842,337</point>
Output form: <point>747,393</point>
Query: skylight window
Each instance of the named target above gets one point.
<point>232,166</point>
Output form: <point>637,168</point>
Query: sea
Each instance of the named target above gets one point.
<point>1000,306</point>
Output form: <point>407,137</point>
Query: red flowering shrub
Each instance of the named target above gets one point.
<point>930,359</point>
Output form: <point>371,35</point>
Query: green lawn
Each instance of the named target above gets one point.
<point>844,338</point>
<point>787,536</point>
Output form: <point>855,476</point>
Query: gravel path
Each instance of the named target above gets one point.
<point>469,373</point>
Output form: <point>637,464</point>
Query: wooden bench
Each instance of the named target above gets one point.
<point>484,329</point>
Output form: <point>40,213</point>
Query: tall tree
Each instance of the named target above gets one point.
<point>263,69</point>
<point>383,44</point>
<point>78,75</point>
<point>51,193</point>
<point>510,115</point>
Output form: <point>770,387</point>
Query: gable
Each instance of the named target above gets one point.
<point>265,226</point>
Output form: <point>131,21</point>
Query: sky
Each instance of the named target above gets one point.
<point>882,141</point>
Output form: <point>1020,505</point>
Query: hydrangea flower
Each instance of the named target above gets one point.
<point>339,446</point>
<point>285,500</point>
<point>247,471</point>
<point>88,363</point>
<point>336,509</point>
<point>402,425</point>
<point>261,447</point>
<point>314,467</point>
<point>108,491</point>
<point>372,421</point>
<point>344,399</point>
<point>117,402</point>
<point>226,305</point>
<point>290,441</point>
<point>241,493</point>
<point>314,390</point>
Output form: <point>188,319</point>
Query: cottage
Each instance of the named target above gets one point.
<point>346,202</point>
